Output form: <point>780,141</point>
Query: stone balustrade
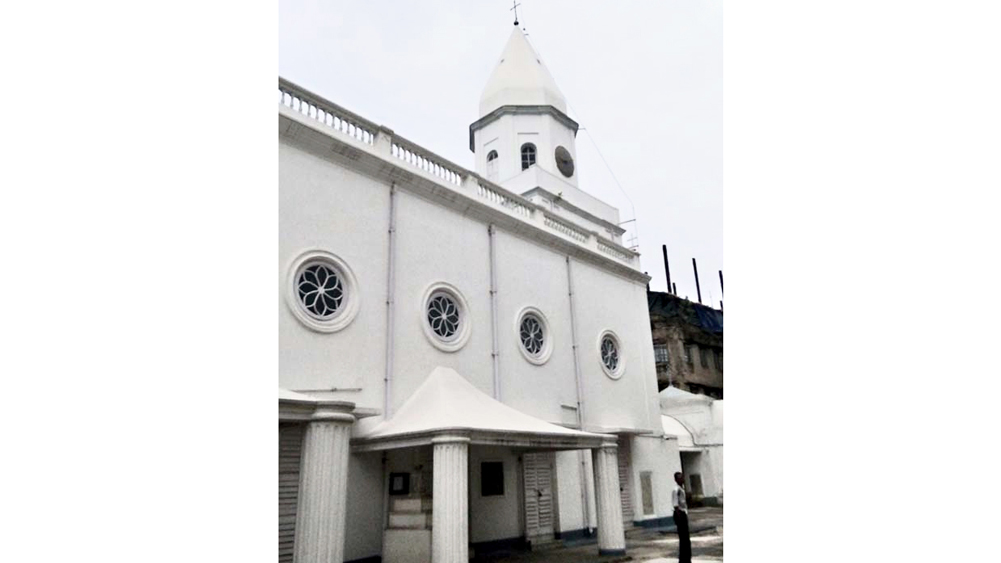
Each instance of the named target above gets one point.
<point>382,140</point>
<point>331,115</point>
<point>516,204</point>
<point>426,161</point>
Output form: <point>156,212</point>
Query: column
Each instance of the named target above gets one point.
<point>611,535</point>
<point>450,508</point>
<point>323,485</point>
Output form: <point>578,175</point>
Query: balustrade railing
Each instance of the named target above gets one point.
<point>607,248</point>
<point>504,200</point>
<point>337,118</point>
<point>566,228</point>
<point>352,125</point>
<point>424,160</point>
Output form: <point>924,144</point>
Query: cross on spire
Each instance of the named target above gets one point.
<point>515,8</point>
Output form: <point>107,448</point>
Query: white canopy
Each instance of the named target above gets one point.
<point>674,397</point>
<point>446,403</point>
<point>673,427</point>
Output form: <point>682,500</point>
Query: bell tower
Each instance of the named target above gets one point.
<point>523,127</point>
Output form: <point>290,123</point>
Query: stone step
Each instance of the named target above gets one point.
<point>410,520</point>
<point>406,505</point>
<point>543,543</point>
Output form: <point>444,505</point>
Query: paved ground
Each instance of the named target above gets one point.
<point>642,545</point>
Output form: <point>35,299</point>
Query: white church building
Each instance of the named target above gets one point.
<point>465,357</point>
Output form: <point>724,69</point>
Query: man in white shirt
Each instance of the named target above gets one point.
<point>681,519</point>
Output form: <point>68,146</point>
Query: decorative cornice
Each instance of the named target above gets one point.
<point>483,437</point>
<point>311,136</point>
<point>577,210</point>
<point>520,110</point>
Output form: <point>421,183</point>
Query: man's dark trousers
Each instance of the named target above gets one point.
<point>685,541</point>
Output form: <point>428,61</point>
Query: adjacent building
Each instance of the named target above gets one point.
<point>464,357</point>
<point>696,421</point>
<point>687,343</point>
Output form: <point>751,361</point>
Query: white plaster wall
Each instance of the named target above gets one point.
<point>708,463</point>
<point>326,206</point>
<point>568,470</point>
<point>713,467</point>
<point>717,461</point>
<point>530,275</point>
<point>435,244</point>
<point>363,527</point>
<point>495,517</point>
<point>661,458</point>
<point>605,301</point>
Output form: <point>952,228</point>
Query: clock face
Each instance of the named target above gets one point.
<point>564,161</point>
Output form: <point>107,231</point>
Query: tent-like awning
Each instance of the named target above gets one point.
<point>446,403</point>
<point>673,427</point>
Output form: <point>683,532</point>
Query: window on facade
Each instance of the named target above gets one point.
<point>491,478</point>
<point>320,290</point>
<point>491,156</point>
<point>532,334</point>
<point>443,315</point>
<point>609,353</point>
<point>660,354</point>
<point>399,484</point>
<point>704,357</point>
<point>718,359</point>
<point>688,354</point>
<point>527,155</point>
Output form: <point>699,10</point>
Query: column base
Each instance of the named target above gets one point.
<point>606,552</point>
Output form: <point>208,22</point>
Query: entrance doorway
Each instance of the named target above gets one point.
<point>540,499</point>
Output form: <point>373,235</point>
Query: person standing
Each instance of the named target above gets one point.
<point>681,519</point>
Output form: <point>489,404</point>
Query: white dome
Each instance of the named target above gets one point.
<point>520,79</point>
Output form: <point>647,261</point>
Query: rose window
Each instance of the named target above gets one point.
<point>320,290</point>
<point>532,335</point>
<point>443,316</point>
<point>609,353</point>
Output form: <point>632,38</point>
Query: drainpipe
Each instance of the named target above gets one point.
<point>580,399</point>
<point>495,353</point>
<point>390,290</point>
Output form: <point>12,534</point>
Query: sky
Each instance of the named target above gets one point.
<point>644,79</point>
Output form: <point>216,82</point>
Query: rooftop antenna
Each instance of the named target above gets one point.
<point>721,282</point>
<point>696,268</point>
<point>667,267</point>
<point>515,8</point>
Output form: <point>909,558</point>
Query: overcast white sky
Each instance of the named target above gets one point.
<point>644,78</point>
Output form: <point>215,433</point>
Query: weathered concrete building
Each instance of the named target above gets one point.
<point>687,344</point>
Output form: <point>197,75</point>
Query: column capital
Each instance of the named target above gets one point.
<point>333,411</point>
<point>450,439</point>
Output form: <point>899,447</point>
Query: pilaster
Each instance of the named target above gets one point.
<point>450,524</point>
<point>323,485</point>
<point>611,534</point>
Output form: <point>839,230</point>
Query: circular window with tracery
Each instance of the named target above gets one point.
<point>534,335</point>
<point>445,317</point>
<point>322,291</point>
<point>610,354</point>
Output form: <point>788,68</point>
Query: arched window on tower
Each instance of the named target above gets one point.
<point>527,155</point>
<point>492,165</point>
